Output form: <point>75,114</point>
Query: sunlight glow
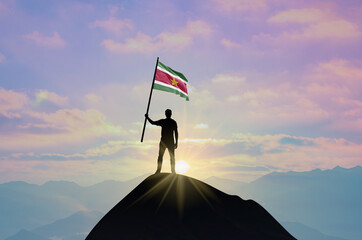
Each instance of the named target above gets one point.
<point>182,167</point>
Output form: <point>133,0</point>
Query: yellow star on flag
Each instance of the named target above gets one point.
<point>174,82</point>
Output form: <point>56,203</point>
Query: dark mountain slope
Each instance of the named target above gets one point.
<point>166,206</point>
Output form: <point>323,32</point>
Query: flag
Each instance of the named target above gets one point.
<point>169,80</point>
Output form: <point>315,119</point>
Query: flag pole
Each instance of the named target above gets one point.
<point>149,101</point>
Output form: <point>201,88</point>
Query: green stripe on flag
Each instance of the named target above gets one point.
<point>180,75</point>
<point>171,90</point>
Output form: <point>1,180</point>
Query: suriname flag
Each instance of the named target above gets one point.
<point>169,80</point>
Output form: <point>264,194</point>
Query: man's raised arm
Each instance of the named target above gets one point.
<point>149,119</point>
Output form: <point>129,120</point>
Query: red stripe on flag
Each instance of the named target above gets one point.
<point>166,78</point>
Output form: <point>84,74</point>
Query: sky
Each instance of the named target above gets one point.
<point>273,85</point>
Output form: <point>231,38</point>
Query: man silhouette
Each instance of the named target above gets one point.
<point>169,127</point>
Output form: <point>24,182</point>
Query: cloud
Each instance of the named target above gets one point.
<point>316,25</point>
<point>112,24</point>
<point>3,8</point>
<point>340,68</point>
<point>201,126</point>
<point>44,95</point>
<point>239,168</point>
<point>11,102</point>
<point>303,152</point>
<point>304,15</point>
<point>267,106</point>
<point>207,157</point>
<point>100,152</point>
<point>228,6</point>
<point>229,44</point>
<point>93,98</point>
<point>74,120</point>
<point>2,58</point>
<point>341,29</point>
<point>60,130</point>
<point>84,172</point>
<point>295,141</point>
<point>281,104</point>
<point>143,43</point>
<point>54,41</point>
<point>336,85</point>
<point>227,78</point>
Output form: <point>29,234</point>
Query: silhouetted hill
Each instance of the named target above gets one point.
<point>166,206</point>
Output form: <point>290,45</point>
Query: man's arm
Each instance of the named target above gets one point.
<point>158,122</point>
<point>149,119</point>
<point>176,137</point>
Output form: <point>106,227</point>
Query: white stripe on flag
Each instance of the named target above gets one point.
<point>173,75</point>
<point>170,86</point>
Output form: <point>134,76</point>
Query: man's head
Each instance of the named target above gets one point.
<point>168,113</point>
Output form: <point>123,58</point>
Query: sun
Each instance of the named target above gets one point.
<point>182,167</point>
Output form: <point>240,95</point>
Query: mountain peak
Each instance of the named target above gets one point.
<point>338,168</point>
<point>171,206</point>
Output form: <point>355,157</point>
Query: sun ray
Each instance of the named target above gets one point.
<point>151,190</point>
<point>181,194</point>
<point>165,194</point>
<point>201,193</point>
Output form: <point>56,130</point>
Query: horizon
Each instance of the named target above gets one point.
<point>273,86</point>
<point>149,174</point>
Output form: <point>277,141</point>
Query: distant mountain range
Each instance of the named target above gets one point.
<point>74,227</point>
<point>328,201</point>
<point>303,232</point>
<point>27,206</point>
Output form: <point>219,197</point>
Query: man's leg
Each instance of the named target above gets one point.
<point>161,151</point>
<point>171,150</point>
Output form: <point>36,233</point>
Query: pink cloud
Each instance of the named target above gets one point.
<point>143,43</point>
<point>228,6</point>
<point>11,102</point>
<point>225,78</point>
<point>66,127</point>
<point>93,98</point>
<point>73,120</point>
<point>326,89</point>
<point>54,41</point>
<point>45,95</point>
<point>304,15</point>
<point>329,29</point>
<point>229,44</point>
<point>278,105</point>
<point>2,58</point>
<point>317,25</point>
<point>280,151</point>
<point>340,68</point>
<point>304,153</point>
<point>349,102</point>
<point>113,25</point>
<point>3,8</point>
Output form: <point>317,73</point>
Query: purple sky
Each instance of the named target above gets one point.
<point>274,86</point>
